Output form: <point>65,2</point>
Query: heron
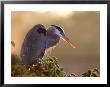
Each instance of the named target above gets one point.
<point>38,40</point>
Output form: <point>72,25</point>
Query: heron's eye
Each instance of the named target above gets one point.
<point>41,30</point>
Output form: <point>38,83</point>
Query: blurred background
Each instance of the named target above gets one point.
<point>82,27</point>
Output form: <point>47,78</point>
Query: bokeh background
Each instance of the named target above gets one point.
<point>82,27</point>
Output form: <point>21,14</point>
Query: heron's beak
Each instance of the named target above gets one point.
<point>68,41</point>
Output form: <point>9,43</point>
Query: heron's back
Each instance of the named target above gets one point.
<point>33,47</point>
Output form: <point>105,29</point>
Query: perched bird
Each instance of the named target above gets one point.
<point>13,44</point>
<point>38,40</point>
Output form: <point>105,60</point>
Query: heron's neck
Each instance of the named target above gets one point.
<point>52,39</point>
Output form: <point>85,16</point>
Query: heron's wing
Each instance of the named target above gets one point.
<point>34,45</point>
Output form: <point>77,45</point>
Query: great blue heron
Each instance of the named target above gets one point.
<point>38,40</point>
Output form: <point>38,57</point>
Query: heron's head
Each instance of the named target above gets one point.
<point>60,32</point>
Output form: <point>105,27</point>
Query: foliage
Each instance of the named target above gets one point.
<point>46,67</point>
<point>91,73</point>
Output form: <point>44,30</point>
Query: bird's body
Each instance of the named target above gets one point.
<point>33,46</point>
<point>37,41</point>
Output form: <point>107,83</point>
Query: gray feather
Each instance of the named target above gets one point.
<point>33,46</point>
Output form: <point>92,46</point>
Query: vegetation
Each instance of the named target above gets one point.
<point>47,67</point>
<point>91,73</point>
